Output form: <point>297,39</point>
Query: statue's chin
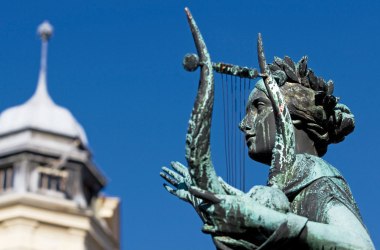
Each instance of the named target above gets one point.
<point>262,157</point>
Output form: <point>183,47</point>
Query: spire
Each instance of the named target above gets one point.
<point>45,31</point>
<point>40,112</point>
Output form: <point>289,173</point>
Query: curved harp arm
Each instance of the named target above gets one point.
<point>283,153</point>
<point>198,152</point>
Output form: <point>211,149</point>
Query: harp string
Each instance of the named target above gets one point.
<point>241,149</point>
<point>233,134</point>
<point>225,121</point>
<point>236,135</point>
<point>234,100</point>
<point>228,130</point>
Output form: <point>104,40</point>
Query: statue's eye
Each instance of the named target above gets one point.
<point>260,105</point>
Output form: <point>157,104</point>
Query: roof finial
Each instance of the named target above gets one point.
<point>45,30</point>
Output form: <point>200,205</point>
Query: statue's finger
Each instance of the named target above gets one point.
<point>220,245</point>
<point>204,207</point>
<point>205,195</point>
<point>180,168</point>
<point>233,243</point>
<point>173,174</point>
<point>228,188</point>
<point>182,194</point>
<point>168,179</point>
<point>184,171</point>
<point>170,190</point>
<point>209,229</point>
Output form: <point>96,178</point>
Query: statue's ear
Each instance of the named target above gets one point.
<point>319,97</point>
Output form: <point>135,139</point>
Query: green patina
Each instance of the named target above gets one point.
<point>307,203</point>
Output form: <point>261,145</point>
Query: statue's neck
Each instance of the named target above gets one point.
<point>303,143</point>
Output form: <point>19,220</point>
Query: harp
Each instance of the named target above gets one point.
<point>235,83</point>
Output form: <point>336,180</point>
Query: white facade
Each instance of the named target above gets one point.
<point>49,186</point>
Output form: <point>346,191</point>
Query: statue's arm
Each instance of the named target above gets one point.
<point>198,152</point>
<point>283,153</point>
<point>344,231</point>
<point>231,215</point>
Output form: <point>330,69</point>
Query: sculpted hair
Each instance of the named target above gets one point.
<point>311,103</point>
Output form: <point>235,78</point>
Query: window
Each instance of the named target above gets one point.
<point>52,179</point>
<point>6,178</point>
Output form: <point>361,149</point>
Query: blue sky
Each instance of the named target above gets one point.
<point>117,66</point>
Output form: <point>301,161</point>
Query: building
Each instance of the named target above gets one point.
<point>49,186</point>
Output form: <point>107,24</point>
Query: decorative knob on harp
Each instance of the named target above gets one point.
<point>191,63</point>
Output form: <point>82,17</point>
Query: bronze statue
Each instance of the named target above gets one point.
<point>291,118</point>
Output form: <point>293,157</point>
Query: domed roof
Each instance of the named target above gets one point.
<point>40,112</point>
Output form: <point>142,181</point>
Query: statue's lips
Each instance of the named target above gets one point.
<point>249,139</point>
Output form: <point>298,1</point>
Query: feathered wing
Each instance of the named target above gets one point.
<point>198,150</point>
<point>283,153</point>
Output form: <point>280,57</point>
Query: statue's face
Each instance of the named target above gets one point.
<point>259,127</point>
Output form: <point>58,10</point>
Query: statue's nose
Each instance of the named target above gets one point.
<point>244,126</point>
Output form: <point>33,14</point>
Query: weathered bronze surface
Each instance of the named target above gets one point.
<point>292,117</point>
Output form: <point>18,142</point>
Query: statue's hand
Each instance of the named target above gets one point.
<point>226,214</point>
<point>180,179</point>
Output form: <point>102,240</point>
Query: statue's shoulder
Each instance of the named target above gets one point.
<point>314,165</point>
<point>305,170</point>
